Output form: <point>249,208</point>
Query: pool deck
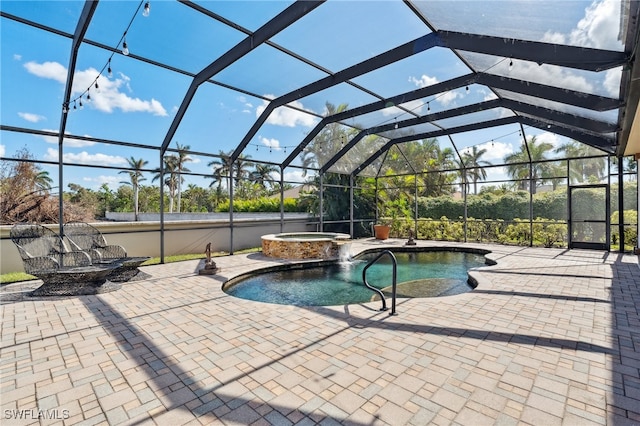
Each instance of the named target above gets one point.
<point>549,337</point>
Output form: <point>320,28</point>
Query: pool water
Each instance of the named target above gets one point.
<point>419,274</point>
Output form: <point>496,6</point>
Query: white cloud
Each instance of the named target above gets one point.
<point>68,142</point>
<point>17,57</point>
<point>393,111</point>
<point>107,97</point>
<point>296,176</point>
<point>598,28</point>
<point>86,158</point>
<point>558,76</point>
<point>489,95</point>
<point>3,149</point>
<point>50,70</point>
<point>445,99</point>
<point>612,82</point>
<point>113,182</point>
<point>552,138</point>
<point>33,118</point>
<point>288,117</point>
<point>271,143</point>
<point>496,151</point>
<point>423,81</point>
<point>554,38</point>
<point>245,102</point>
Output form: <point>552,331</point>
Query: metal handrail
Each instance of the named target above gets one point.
<point>393,285</point>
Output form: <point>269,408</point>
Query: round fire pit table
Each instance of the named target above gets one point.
<point>78,280</point>
<point>129,270</point>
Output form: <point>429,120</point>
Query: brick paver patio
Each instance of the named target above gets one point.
<point>549,337</point>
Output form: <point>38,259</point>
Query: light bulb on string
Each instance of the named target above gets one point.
<point>510,64</point>
<point>80,105</point>
<point>428,107</point>
<point>109,71</point>
<point>395,126</point>
<point>65,108</point>
<point>88,96</point>
<point>146,10</point>
<point>125,48</point>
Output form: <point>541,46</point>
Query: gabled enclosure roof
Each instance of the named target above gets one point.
<point>383,72</point>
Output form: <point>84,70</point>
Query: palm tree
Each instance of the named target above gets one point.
<point>182,158</point>
<point>42,181</point>
<point>171,180</point>
<point>463,173</point>
<point>533,159</point>
<point>241,167</point>
<point>474,165</point>
<point>433,159</point>
<point>262,174</point>
<point>135,177</point>
<point>583,169</point>
<point>326,143</point>
<point>221,169</point>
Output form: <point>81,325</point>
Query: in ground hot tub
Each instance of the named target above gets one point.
<point>304,245</point>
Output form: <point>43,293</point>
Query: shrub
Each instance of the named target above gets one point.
<point>630,232</point>
<point>267,205</point>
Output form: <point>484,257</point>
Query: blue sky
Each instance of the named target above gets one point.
<point>138,103</point>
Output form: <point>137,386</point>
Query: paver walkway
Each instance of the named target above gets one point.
<point>549,337</point>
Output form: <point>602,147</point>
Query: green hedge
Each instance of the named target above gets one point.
<point>546,232</point>
<point>630,231</point>
<point>513,205</point>
<point>269,205</point>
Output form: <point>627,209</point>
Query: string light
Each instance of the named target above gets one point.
<point>125,51</point>
<point>125,48</point>
<point>510,64</point>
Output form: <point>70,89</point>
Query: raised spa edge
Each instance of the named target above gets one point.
<point>303,245</point>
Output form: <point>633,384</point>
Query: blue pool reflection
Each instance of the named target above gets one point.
<point>420,274</point>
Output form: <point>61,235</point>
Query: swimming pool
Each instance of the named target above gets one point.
<point>420,274</point>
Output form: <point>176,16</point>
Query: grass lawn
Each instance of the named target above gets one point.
<point>14,277</point>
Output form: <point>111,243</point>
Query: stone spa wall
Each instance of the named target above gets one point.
<point>302,248</point>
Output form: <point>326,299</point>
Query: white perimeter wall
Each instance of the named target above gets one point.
<point>180,237</point>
